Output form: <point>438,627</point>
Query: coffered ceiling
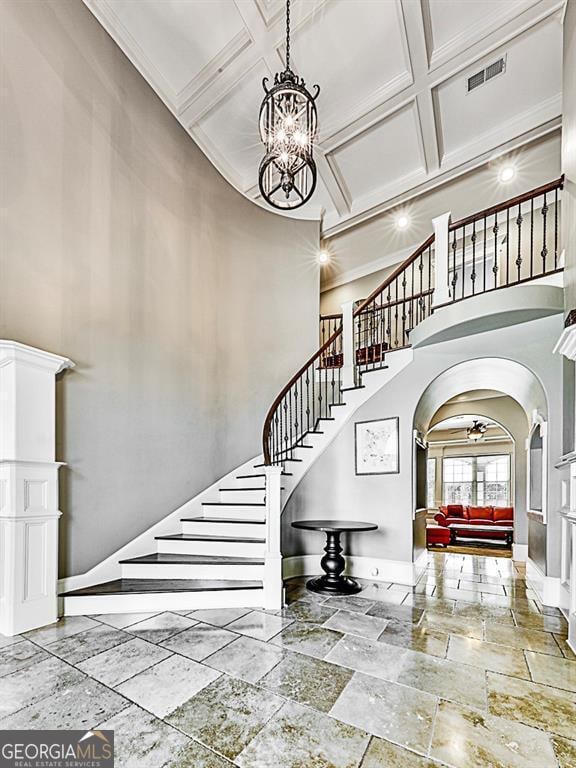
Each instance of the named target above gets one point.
<point>395,117</point>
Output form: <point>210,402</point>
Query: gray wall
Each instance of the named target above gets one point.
<point>184,306</point>
<point>332,489</point>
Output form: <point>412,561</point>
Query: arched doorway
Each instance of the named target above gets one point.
<point>503,392</point>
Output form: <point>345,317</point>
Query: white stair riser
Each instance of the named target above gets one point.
<point>234,511</point>
<point>192,571</point>
<point>242,530</point>
<point>161,601</point>
<point>228,548</point>
<point>248,482</point>
<point>242,497</point>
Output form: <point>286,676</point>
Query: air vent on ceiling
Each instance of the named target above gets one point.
<point>488,73</point>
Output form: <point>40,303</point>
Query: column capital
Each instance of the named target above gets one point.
<point>15,352</point>
<point>566,344</point>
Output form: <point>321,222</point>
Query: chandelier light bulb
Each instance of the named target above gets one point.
<point>323,257</point>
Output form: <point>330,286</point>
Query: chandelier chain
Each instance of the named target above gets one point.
<point>287,34</point>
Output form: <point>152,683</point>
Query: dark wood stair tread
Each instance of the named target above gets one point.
<point>151,586</point>
<point>194,537</point>
<point>167,558</point>
<point>244,489</point>
<point>246,477</point>
<point>233,504</point>
<point>220,520</point>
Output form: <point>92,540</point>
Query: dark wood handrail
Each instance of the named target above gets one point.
<point>331,317</point>
<point>393,275</point>
<point>285,390</point>
<point>518,200</point>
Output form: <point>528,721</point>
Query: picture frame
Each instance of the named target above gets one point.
<point>377,446</point>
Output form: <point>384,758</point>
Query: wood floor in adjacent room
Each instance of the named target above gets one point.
<point>466,670</point>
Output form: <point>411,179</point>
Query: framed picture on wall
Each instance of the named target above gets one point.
<point>377,447</point>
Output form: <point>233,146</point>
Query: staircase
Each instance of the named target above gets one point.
<point>222,548</point>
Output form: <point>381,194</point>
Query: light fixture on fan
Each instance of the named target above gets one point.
<point>476,431</point>
<point>288,120</point>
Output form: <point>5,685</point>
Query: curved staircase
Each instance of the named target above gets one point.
<point>222,548</point>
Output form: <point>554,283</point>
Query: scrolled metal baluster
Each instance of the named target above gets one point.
<point>290,424</point>
<point>484,241</point>
<point>544,251</point>
<point>532,237</point>
<point>507,246</point>
<point>396,315</point>
<point>403,316</point>
<point>473,273</point>
<point>285,447</point>
<point>519,245</point>
<point>495,261</point>
<point>454,275</point>
<point>463,260</point>
<point>308,398</point>
<point>296,425</point>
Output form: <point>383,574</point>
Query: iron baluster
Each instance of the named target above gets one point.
<point>495,261</point>
<point>519,244</point>
<point>473,272</point>
<point>544,251</point>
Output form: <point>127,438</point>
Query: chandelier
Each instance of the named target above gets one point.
<point>476,431</point>
<point>288,119</point>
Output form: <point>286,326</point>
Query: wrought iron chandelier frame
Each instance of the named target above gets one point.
<point>288,124</point>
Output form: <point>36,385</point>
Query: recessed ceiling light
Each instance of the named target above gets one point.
<point>507,173</point>
<point>323,257</point>
<point>402,221</point>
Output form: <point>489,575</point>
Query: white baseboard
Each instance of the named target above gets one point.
<point>520,552</point>
<point>419,566</point>
<point>548,588</point>
<point>397,571</point>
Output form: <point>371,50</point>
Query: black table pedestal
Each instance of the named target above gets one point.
<point>333,565</point>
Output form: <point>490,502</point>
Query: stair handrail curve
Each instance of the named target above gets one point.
<point>273,410</point>
<point>376,336</point>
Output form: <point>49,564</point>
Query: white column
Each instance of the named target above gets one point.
<point>347,373</point>
<point>273,585</point>
<point>28,487</point>
<point>572,577</point>
<point>441,253</point>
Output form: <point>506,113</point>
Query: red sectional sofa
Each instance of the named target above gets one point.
<point>454,514</point>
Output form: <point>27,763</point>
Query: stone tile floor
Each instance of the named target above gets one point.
<point>466,670</point>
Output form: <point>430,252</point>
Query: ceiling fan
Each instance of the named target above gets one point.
<point>476,431</point>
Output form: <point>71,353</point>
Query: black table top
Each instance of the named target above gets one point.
<point>333,526</point>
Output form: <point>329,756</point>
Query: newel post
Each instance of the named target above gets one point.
<point>347,371</point>
<point>273,585</point>
<point>441,258</point>
<point>28,487</point>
